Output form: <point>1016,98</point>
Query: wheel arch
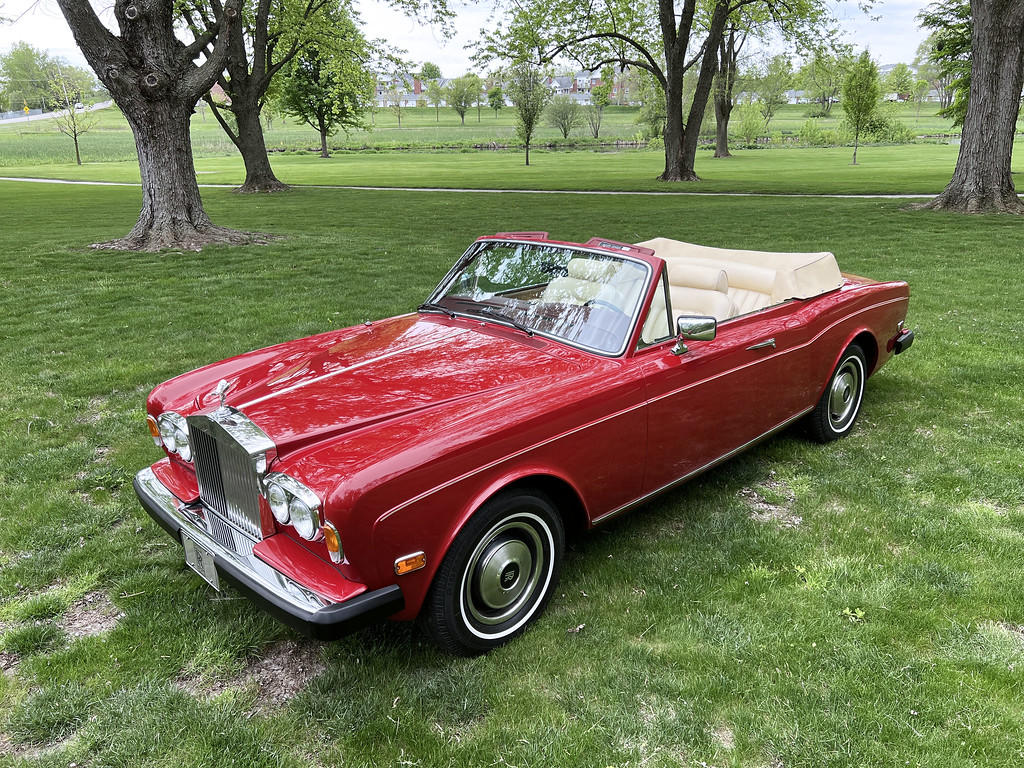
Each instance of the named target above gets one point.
<point>567,501</point>
<point>869,345</point>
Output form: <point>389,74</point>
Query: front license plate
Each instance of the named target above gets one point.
<point>200,560</point>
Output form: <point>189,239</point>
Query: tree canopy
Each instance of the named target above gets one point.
<point>328,85</point>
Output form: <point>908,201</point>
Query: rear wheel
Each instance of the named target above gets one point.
<point>498,575</point>
<point>839,405</point>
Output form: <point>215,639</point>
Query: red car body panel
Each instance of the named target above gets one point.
<point>406,426</point>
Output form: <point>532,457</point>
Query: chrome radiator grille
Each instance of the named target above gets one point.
<point>228,485</point>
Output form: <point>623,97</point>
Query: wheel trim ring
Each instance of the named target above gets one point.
<point>845,392</point>
<point>524,607</point>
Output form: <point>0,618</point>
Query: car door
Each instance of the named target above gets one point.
<point>720,396</point>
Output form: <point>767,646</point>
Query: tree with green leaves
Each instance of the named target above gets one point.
<point>982,180</point>
<point>529,93</point>
<point>862,93</point>
<point>900,81</point>
<point>70,88</point>
<point>821,76</point>
<point>156,73</point>
<point>327,85</point>
<point>435,95</point>
<point>665,38</point>
<point>462,93</point>
<point>496,98</point>
<point>938,79</point>
<point>430,71</point>
<point>25,75</point>
<point>600,97</point>
<point>394,96</point>
<point>949,50</point>
<point>771,87</point>
<point>273,33</point>
<point>919,93</point>
<point>563,113</point>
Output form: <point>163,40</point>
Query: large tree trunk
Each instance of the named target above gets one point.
<point>674,134</point>
<point>259,176</point>
<point>982,180</point>
<point>703,91</point>
<point>152,77</point>
<point>172,214</point>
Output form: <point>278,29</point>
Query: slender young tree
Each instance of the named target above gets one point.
<point>529,93</point>
<point>496,99</point>
<point>70,88</point>
<point>861,94</point>
<point>154,78</point>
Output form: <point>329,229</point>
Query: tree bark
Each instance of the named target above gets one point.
<point>252,145</point>
<point>982,180</point>
<point>725,79</point>
<point>151,76</point>
<point>703,91</point>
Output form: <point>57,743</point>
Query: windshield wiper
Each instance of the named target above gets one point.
<point>497,313</point>
<point>431,306</point>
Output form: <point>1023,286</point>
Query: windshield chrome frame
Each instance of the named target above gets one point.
<point>479,245</point>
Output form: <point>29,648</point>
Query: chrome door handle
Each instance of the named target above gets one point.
<point>762,345</point>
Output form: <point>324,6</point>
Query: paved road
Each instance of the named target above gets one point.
<point>48,115</point>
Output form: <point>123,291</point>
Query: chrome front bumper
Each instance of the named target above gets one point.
<point>282,597</point>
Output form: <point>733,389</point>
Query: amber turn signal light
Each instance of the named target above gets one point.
<point>154,430</point>
<point>333,542</point>
<point>410,563</point>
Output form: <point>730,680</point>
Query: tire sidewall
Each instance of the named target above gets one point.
<point>824,427</point>
<point>447,615</point>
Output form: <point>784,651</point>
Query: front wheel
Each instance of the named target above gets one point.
<point>498,575</point>
<point>839,405</point>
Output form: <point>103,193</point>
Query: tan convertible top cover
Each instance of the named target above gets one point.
<point>798,275</point>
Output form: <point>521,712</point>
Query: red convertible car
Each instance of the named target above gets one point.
<point>430,465</point>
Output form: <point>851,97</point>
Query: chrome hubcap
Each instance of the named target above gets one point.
<point>503,572</point>
<point>844,394</point>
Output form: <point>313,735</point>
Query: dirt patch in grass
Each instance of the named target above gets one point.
<point>771,502</point>
<point>8,664</point>
<point>724,737</point>
<point>93,614</point>
<point>279,674</point>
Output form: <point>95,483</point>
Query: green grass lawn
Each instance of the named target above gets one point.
<point>37,142</point>
<point>915,168</point>
<point>856,604</point>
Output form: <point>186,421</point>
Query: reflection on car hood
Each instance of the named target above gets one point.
<point>311,389</point>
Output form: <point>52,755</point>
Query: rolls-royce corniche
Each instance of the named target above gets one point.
<point>431,465</point>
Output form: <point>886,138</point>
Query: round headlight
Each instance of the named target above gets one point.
<point>182,444</point>
<point>277,497</point>
<point>305,520</point>
<point>167,431</point>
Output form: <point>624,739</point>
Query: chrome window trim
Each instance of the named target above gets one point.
<point>624,256</point>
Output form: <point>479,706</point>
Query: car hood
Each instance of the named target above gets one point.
<point>312,389</point>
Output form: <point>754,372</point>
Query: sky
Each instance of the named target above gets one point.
<point>893,37</point>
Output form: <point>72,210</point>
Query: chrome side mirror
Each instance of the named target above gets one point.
<point>693,328</point>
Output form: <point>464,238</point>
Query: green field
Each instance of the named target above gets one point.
<point>37,142</point>
<point>855,604</point>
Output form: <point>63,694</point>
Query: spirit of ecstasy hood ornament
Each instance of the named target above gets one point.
<point>221,390</point>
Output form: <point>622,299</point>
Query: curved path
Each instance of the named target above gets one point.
<point>499,191</point>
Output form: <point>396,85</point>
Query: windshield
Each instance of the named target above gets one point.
<point>584,298</point>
